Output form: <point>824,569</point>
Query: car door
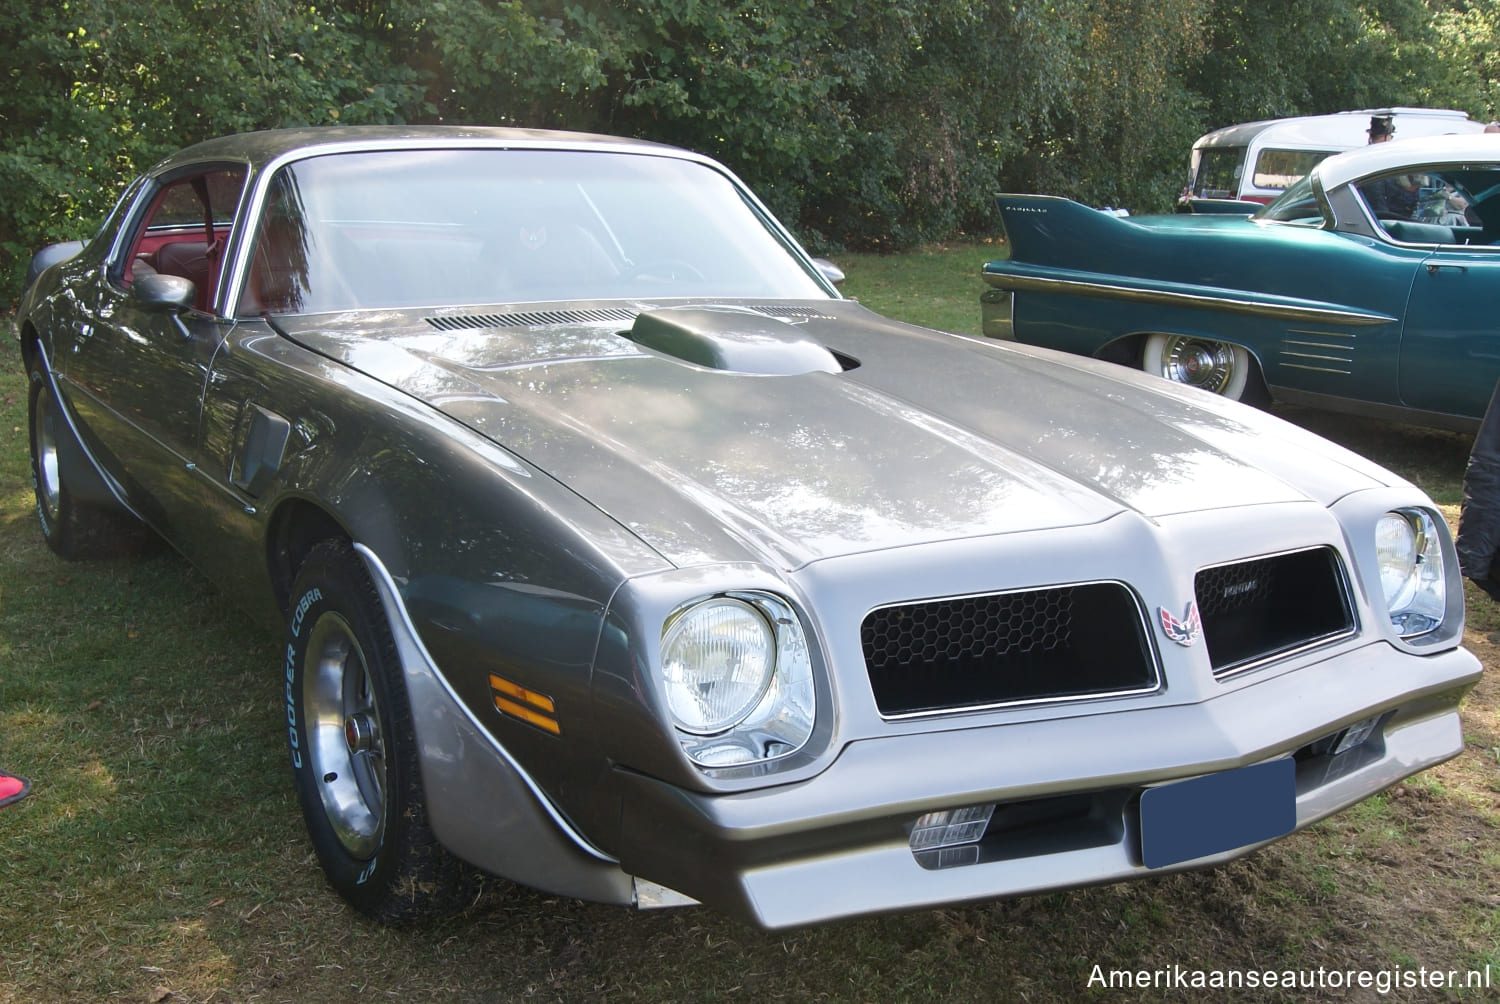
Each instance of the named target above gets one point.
<point>135,372</point>
<point>1450,343</point>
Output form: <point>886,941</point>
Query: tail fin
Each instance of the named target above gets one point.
<point>1047,230</point>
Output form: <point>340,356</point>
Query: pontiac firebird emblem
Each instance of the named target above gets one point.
<point>1183,632</point>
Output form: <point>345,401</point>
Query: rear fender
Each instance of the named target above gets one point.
<point>1048,230</point>
<point>86,480</point>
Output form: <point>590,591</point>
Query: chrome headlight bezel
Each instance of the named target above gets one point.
<point>772,716</point>
<point>1411,571</point>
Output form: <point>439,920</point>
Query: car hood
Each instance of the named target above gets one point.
<point>712,443</point>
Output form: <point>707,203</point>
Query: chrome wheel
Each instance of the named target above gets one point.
<point>346,745</point>
<point>1221,368</point>
<point>44,448</point>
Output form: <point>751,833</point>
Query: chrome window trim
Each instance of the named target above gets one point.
<point>237,267</point>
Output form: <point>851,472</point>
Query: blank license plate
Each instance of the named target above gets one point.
<point>1218,812</point>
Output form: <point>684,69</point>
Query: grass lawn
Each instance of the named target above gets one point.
<point>161,856</point>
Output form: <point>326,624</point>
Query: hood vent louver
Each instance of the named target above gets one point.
<point>531,318</point>
<point>602,315</point>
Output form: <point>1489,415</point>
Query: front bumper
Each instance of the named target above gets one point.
<point>837,845</point>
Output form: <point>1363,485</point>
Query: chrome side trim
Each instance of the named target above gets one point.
<point>410,642</point>
<point>1172,298</point>
<point>1317,369</point>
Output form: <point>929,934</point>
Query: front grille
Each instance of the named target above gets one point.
<point>1260,609</point>
<point>1007,648</point>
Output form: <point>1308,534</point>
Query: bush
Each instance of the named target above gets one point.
<point>864,125</point>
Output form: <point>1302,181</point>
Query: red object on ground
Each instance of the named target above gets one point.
<point>12,789</point>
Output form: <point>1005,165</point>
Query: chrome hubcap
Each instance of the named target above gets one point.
<point>346,747</point>
<point>1210,365</point>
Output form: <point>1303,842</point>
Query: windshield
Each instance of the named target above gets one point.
<point>438,227</point>
<point>1297,204</point>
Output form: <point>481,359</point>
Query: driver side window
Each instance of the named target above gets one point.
<point>184,231</point>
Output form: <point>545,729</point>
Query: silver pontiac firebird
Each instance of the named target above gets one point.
<point>618,555</point>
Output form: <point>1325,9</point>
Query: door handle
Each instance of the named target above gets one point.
<point>1433,268</point>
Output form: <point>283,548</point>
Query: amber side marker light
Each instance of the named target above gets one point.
<point>529,706</point>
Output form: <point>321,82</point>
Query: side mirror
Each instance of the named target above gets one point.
<point>49,256</point>
<point>164,292</point>
<point>830,271</point>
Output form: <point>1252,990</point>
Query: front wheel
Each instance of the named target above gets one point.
<point>1222,368</point>
<point>353,749</point>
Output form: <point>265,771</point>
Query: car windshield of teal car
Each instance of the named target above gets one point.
<point>1298,204</point>
<point>427,228</point>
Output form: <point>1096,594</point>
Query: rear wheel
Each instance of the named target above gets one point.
<point>1222,368</point>
<point>74,529</point>
<point>353,749</point>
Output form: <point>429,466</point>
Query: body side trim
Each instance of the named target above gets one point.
<point>1286,311</point>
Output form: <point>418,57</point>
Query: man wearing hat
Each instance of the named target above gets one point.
<point>1393,198</point>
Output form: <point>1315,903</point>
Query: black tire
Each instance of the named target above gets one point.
<point>74,529</point>
<point>354,753</point>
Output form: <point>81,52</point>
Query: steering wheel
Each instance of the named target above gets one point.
<point>665,270</point>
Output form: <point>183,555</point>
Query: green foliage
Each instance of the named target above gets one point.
<point>97,90</point>
<point>878,125</point>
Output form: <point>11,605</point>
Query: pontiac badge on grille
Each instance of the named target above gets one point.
<point>1185,631</point>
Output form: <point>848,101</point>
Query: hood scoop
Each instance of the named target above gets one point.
<point>734,339</point>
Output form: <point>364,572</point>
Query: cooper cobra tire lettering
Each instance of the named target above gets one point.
<point>291,711</point>
<point>295,626</point>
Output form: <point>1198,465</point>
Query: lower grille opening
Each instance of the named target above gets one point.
<point>1256,610</point>
<point>1040,826</point>
<point>1006,648</point>
<point>1333,756</point>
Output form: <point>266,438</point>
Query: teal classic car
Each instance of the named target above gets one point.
<point>1370,286</point>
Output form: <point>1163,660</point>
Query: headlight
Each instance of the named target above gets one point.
<point>1409,553</point>
<point>718,658</point>
<point>738,679</point>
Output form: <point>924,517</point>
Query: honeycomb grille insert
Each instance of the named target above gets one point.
<point>1258,610</point>
<point>1007,648</point>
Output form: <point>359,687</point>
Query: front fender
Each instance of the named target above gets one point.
<point>482,803</point>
